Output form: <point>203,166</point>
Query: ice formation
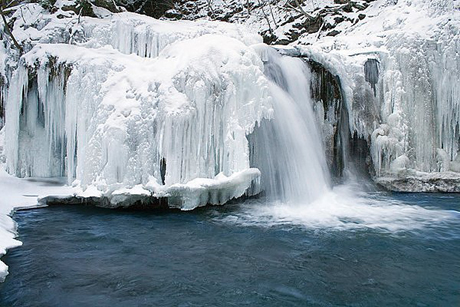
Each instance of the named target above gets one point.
<point>111,120</point>
<point>400,75</point>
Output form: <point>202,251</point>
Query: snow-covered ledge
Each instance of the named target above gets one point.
<point>196,193</point>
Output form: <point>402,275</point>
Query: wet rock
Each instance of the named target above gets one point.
<point>173,14</point>
<point>434,182</point>
<point>326,90</point>
<point>333,33</point>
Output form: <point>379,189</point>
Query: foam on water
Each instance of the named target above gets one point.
<point>345,208</point>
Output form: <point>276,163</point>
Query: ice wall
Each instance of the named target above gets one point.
<point>111,121</point>
<point>420,105</point>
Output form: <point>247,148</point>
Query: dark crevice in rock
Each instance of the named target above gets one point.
<point>134,202</point>
<point>371,73</point>
<point>359,156</point>
<point>326,89</point>
<point>129,202</point>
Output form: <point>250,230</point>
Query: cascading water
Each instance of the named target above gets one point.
<point>288,149</point>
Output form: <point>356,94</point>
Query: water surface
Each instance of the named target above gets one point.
<point>223,256</point>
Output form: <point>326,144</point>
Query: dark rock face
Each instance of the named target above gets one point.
<point>343,149</point>
<point>359,156</point>
<point>133,202</point>
<point>371,73</point>
<point>326,89</point>
<point>152,8</point>
<point>333,33</point>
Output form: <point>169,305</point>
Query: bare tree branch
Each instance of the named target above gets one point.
<point>265,16</point>
<point>8,30</point>
<point>271,13</point>
<point>298,8</point>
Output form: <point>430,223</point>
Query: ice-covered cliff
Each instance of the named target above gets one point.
<point>399,70</point>
<point>396,63</point>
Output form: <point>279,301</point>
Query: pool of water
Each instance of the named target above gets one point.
<point>249,254</point>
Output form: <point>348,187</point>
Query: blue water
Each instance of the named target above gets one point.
<point>223,256</point>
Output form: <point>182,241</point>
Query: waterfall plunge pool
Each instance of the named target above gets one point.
<point>379,250</point>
